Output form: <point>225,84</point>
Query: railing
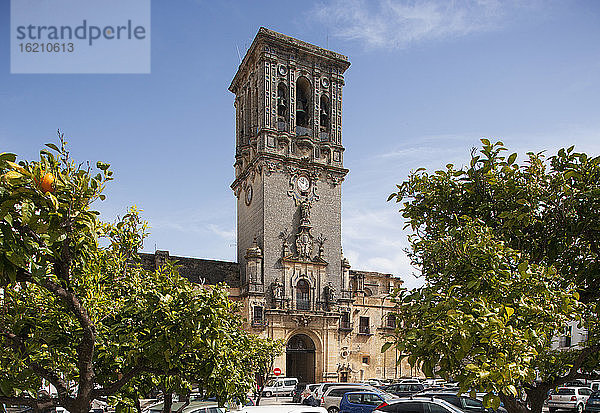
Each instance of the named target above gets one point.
<point>258,323</point>
<point>324,136</point>
<point>303,131</point>
<point>256,288</point>
<point>345,295</point>
<point>345,326</point>
<point>302,304</point>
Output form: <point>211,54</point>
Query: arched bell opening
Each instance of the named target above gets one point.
<point>325,114</point>
<point>282,106</point>
<point>303,102</point>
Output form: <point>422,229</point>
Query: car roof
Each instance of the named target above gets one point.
<point>281,408</point>
<point>358,386</point>
<point>196,404</point>
<point>426,399</point>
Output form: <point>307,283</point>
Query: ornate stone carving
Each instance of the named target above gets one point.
<point>296,192</point>
<point>271,167</point>
<point>304,239</point>
<point>302,320</point>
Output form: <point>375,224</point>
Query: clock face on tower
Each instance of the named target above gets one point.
<point>303,183</point>
<point>248,194</point>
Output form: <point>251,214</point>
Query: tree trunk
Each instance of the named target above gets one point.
<point>536,397</point>
<point>167,401</point>
<point>261,386</point>
<point>512,404</point>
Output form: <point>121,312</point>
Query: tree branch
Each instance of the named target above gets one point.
<point>114,387</point>
<point>18,345</point>
<point>574,371</point>
<point>85,349</point>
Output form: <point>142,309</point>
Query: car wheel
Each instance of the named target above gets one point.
<point>268,394</point>
<point>580,408</point>
<point>333,409</point>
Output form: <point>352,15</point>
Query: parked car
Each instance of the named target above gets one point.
<point>308,396</point>
<point>595,385</point>
<point>281,408</point>
<point>283,386</point>
<point>196,406</point>
<point>330,400</point>
<point>592,405</point>
<point>373,382</point>
<point>417,405</point>
<point>569,398</point>
<point>322,387</point>
<point>466,403</point>
<point>363,401</point>
<point>297,392</point>
<point>404,389</point>
<point>410,380</point>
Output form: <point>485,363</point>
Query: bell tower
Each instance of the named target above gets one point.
<point>288,173</point>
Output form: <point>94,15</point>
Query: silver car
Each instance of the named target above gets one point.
<point>333,395</point>
<point>569,398</point>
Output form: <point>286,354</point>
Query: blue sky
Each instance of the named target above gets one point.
<point>428,80</point>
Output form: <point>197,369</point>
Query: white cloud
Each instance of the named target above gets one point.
<point>374,241</point>
<point>225,234</point>
<point>399,23</point>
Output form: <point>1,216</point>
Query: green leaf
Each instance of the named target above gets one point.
<point>386,346</point>
<point>7,156</point>
<point>53,146</point>
<point>102,166</point>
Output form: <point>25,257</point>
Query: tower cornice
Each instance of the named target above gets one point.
<point>270,37</point>
<point>276,162</point>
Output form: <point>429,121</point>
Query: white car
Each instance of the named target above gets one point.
<point>281,386</point>
<point>281,408</point>
<point>569,398</point>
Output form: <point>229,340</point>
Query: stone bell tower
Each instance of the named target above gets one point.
<point>288,173</point>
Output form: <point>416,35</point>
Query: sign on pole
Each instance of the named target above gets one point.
<point>277,371</point>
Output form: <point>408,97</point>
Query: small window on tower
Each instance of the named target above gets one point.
<point>365,359</point>
<point>258,312</point>
<point>364,327</point>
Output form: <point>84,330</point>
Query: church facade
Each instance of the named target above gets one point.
<point>291,276</point>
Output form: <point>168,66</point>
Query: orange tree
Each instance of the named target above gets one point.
<point>84,316</point>
<point>510,255</point>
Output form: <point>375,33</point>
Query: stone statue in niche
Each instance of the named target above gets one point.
<point>277,290</point>
<point>329,296</point>
<point>320,241</point>
<point>305,213</point>
<point>283,236</point>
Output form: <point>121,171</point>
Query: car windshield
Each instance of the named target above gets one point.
<point>565,392</point>
<point>270,383</point>
<point>595,394</point>
<point>388,396</point>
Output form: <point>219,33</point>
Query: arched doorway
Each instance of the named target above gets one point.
<point>300,358</point>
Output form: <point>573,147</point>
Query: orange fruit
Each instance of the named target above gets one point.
<point>47,183</point>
